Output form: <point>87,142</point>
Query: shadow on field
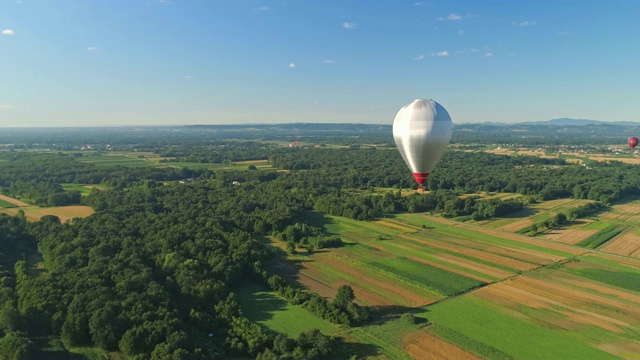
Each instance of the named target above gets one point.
<point>525,212</point>
<point>320,220</point>
<point>51,348</point>
<point>289,269</point>
<point>385,313</point>
<point>346,348</point>
<point>265,305</point>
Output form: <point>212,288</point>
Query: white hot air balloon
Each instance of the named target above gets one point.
<point>422,130</point>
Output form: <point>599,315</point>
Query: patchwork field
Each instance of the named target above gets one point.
<point>146,159</point>
<point>587,309</point>
<point>481,292</point>
<point>413,260</point>
<point>535,213</point>
<point>570,156</point>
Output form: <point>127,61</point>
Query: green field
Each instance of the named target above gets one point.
<point>610,272</point>
<point>597,225</point>
<point>6,204</point>
<point>116,160</point>
<point>83,189</point>
<point>483,322</point>
<point>387,337</point>
<point>274,313</point>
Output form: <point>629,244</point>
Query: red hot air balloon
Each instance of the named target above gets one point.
<point>633,141</point>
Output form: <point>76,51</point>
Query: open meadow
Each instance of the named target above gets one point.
<point>268,309</point>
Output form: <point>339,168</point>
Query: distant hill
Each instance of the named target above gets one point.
<point>580,122</point>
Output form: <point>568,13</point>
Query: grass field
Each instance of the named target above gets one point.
<point>116,160</point>
<point>83,189</point>
<point>7,205</point>
<point>274,313</point>
<point>472,321</point>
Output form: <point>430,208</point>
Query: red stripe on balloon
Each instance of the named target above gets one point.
<point>421,177</point>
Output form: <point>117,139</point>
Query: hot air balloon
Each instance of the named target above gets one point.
<point>422,130</point>
<point>633,141</point>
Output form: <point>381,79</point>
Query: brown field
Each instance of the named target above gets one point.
<point>397,226</point>
<point>517,225</point>
<point>422,345</point>
<point>624,160</point>
<point>462,263</point>
<point>627,243</point>
<point>34,213</point>
<point>569,235</point>
<point>486,253</point>
<point>13,201</point>
<point>520,238</point>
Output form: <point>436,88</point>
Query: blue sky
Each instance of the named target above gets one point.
<point>146,62</point>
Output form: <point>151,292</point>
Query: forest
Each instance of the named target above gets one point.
<point>153,273</point>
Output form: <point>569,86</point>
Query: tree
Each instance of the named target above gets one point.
<point>16,346</point>
<point>344,297</point>
<point>9,317</point>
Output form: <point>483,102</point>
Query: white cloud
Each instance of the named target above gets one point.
<point>18,1</point>
<point>262,8</point>
<point>461,32</point>
<point>456,17</point>
<point>4,107</point>
<point>92,48</point>
<point>8,32</point>
<point>473,50</point>
<point>292,65</point>
<point>525,23</point>
<point>563,33</point>
<point>329,61</point>
<point>349,25</point>
<point>164,1</point>
<point>188,77</point>
<point>420,57</point>
<point>489,54</point>
<point>442,53</point>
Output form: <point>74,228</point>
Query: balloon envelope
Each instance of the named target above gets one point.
<point>422,130</point>
<point>633,141</point>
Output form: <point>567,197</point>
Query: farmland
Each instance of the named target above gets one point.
<point>396,261</point>
<point>64,213</point>
<point>147,159</point>
<point>566,301</point>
